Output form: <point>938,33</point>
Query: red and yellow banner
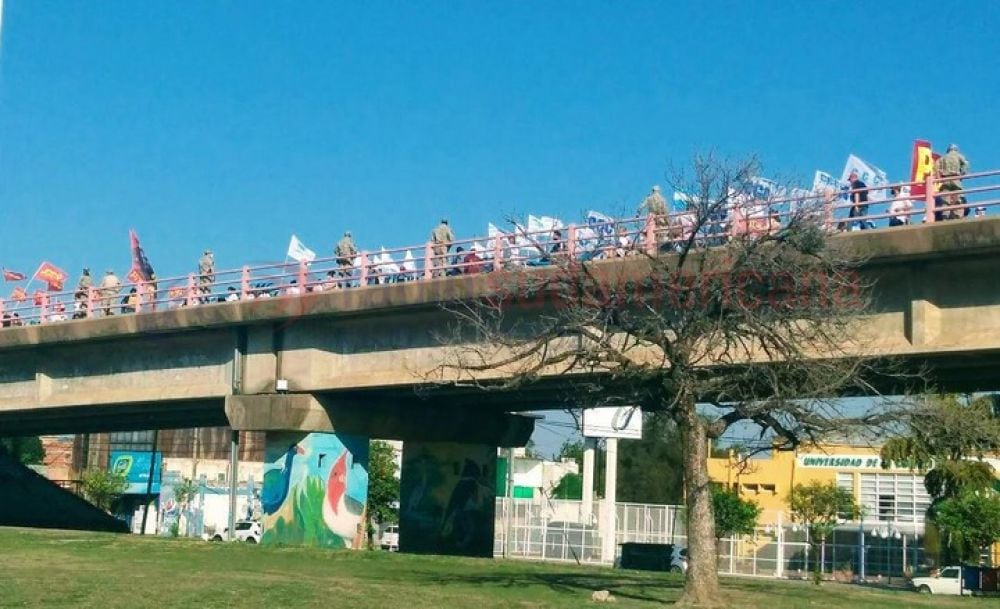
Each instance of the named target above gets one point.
<point>54,276</point>
<point>921,166</point>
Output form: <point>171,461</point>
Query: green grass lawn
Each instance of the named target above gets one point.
<point>73,569</point>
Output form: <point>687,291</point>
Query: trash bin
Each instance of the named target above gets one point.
<point>647,556</point>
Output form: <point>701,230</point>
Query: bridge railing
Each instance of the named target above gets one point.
<point>926,202</point>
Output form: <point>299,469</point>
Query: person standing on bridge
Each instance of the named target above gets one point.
<point>859,202</point>
<point>951,167</point>
<point>346,251</point>
<point>110,286</point>
<point>82,294</point>
<point>441,238</point>
<point>655,205</point>
<point>206,275</point>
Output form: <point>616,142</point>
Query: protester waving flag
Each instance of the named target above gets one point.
<point>872,176</point>
<point>9,275</point>
<point>141,269</point>
<point>52,275</point>
<point>19,294</point>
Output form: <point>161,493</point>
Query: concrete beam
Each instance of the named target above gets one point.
<point>178,414</point>
<point>396,420</point>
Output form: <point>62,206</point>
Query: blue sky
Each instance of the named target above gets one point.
<point>232,125</point>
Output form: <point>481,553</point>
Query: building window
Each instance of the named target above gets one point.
<point>893,497</point>
<point>845,480</point>
<point>887,507</point>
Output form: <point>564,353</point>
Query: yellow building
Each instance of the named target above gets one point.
<point>893,501</point>
<point>885,495</point>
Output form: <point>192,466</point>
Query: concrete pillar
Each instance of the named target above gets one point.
<point>234,474</point>
<point>315,489</point>
<point>587,507</point>
<point>447,498</point>
<point>607,528</point>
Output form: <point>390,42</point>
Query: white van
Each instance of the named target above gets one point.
<point>390,538</point>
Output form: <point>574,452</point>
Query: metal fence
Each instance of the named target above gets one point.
<point>747,216</point>
<point>562,531</point>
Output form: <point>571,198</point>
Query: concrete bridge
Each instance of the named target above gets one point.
<point>353,362</point>
<point>371,349</point>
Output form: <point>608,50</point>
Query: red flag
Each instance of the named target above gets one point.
<point>39,297</point>
<point>54,276</point>
<point>19,295</point>
<point>13,276</point>
<point>142,270</point>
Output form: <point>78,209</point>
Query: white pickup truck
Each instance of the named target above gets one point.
<point>948,581</point>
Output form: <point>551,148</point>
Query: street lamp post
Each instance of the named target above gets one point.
<point>861,549</point>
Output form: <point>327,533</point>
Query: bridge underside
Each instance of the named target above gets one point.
<point>390,411</point>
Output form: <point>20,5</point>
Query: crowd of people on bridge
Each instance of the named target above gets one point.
<point>600,238</point>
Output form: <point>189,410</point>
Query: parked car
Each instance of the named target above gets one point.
<point>246,530</point>
<point>390,538</point>
<point>947,581</point>
<point>679,560</point>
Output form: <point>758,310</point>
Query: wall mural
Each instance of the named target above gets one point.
<point>447,499</point>
<point>315,489</point>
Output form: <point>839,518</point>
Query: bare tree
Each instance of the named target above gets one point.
<point>754,325</point>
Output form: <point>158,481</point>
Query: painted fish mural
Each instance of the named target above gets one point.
<point>315,489</point>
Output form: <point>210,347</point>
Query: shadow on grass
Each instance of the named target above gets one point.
<point>624,585</point>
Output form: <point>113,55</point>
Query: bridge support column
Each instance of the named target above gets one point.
<point>315,489</point>
<point>448,498</point>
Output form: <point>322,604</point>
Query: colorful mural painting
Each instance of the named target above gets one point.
<point>315,489</point>
<point>447,499</point>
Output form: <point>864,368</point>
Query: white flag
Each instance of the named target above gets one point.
<point>601,223</point>
<point>542,224</point>
<point>409,264</point>
<point>386,263</point>
<point>299,252</point>
<point>764,189</point>
<point>823,181</point>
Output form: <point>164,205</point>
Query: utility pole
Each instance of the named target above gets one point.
<point>234,472</point>
<point>587,506</point>
<point>608,514</point>
<point>509,500</point>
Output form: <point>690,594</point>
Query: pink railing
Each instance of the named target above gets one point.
<point>519,248</point>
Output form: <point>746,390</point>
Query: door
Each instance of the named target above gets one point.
<point>948,581</point>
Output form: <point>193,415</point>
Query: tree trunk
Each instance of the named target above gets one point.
<point>701,588</point>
